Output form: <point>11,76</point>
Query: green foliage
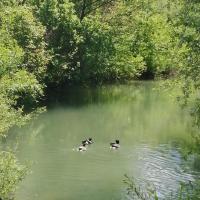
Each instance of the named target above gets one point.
<point>62,38</point>
<point>86,7</point>
<point>20,92</point>
<point>114,46</point>
<point>9,116</point>
<point>22,88</point>
<point>111,41</point>
<point>19,23</point>
<point>150,36</point>
<point>188,30</point>
<point>22,47</point>
<point>11,173</point>
<point>100,41</point>
<point>96,49</point>
<point>7,3</point>
<point>11,55</point>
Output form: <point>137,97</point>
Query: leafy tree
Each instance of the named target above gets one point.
<point>11,55</point>
<point>86,7</point>
<point>62,38</point>
<point>20,24</point>
<point>96,49</point>
<point>146,35</point>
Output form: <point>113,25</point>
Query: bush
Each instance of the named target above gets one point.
<point>11,173</point>
<point>19,93</point>
<point>22,88</point>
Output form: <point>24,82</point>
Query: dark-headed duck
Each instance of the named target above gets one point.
<point>87,141</point>
<point>82,147</point>
<point>115,145</point>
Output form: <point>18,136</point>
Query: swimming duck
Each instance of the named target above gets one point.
<point>87,141</point>
<point>82,147</point>
<point>114,145</point>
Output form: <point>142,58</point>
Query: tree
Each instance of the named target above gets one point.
<point>11,54</point>
<point>19,23</point>
<point>86,7</point>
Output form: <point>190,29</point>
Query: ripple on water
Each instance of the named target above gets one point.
<point>163,167</point>
<point>99,168</point>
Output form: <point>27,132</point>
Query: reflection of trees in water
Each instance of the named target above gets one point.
<point>81,96</point>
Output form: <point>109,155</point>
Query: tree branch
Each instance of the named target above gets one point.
<point>82,15</point>
<point>97,5</point>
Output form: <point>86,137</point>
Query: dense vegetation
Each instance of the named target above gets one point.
<point>46,44</point>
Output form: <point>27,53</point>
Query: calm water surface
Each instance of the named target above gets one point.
<point>149,125</point>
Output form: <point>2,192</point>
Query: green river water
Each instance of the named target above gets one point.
<point>149,124</point>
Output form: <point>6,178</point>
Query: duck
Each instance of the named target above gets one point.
<point>115,145</point>
<point>87,141</point>
<point>82,147</point>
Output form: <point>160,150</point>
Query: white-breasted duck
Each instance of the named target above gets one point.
<point>115,145</point>
<point>82,147</point>
<point>87,141</point>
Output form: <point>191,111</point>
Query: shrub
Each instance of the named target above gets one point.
<point>11,173</point>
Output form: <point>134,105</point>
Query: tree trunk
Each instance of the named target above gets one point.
<point>83,9</point>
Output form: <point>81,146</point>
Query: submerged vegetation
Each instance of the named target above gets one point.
<point>45,44</point>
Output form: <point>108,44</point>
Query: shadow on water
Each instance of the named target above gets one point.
<point>77,96</point>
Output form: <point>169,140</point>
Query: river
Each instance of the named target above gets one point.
<point>151,128</point>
